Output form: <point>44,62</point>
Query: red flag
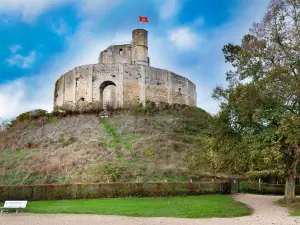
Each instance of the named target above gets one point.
<point>143,19</point>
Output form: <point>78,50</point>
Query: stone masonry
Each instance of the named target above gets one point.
<point>123,76</point>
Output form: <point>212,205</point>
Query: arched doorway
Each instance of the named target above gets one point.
<point>108,95</point>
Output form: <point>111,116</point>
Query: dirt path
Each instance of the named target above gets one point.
<point>265,212</point>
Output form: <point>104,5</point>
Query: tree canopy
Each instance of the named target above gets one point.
<point>261,104</point>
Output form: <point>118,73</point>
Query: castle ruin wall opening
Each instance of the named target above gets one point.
<point>108,95</point>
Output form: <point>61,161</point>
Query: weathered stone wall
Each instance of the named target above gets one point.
<point>116,54</point>
<point>125,70</point>
<point>134,53</point>
<point>134,83</point>
<point>59,91</point>
<point>131,83</point>
<point>157,85</point>
<point>101,73</point>
<point>191,93</point>
<point>81,84</point>
<point>69,87</point>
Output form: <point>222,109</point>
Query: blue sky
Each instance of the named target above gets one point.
<point>42,39</point>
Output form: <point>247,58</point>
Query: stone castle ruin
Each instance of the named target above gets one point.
<point>123,76</point>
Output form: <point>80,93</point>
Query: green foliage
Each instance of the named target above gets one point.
<point>10,162</point>
<point>149,108</point>
<point>263,188</point>
<point>22,117</point>
<point>148,153</point>
<point>110,130</point>
<point>117,141</point>
<point>267,176</point>
<point>35,114</point>
<point>105,172</point>
<point>261,107</point>
<point>193,121</point>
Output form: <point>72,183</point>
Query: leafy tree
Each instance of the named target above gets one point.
<point>262,100</point>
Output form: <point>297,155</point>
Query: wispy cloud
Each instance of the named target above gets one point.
<point>28,10</point>
<point>15,48</point>
<point>184,38</point>
<point>36,91</point>
<point>10,96</point>
<point>21,61</point>
<point>96,7</point>
<point>60,27</point>
<point>168,9</point>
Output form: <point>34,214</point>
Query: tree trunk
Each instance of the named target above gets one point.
<point>289,192</point>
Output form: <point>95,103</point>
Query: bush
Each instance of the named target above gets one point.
<point>267,176</point>
<point>105,172</point>
<point>193,121</point>
<point>34,114</point>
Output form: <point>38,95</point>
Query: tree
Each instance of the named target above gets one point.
<point>263,94</point>
<point>4,124</point>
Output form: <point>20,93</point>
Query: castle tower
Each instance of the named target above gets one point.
<point>122,77</point>
<point>140,47</point>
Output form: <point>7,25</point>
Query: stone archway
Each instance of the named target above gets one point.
<point>108,95</point>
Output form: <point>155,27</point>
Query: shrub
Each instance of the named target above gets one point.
<point>267,176</point>
<point>193,121</point>
<point>34,114</point>
<point>105,172</point>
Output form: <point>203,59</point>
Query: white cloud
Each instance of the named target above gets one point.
<point>16,98</point>
<point>168,9</point>
<point>184,38</point>
<point>21,61</point>
<point>14,48</point>
<point>10,97</point>
<point>28,10</point>
<point>36,92</point>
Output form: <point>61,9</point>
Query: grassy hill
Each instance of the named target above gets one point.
<point>172,145</point>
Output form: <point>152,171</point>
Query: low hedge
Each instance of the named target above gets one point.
<point>263,188</point>
<point>109,190</point>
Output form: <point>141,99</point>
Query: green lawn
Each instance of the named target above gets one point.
<point>205,206</point>
<point>294,208</point>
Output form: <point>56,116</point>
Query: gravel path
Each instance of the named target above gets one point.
<point>265,212</point>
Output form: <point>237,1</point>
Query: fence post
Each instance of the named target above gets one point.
<point>259,188</point>
<point>229,185</point>
<point>239,189</point>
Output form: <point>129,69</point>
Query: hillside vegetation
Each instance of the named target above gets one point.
<point>172,144</point>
